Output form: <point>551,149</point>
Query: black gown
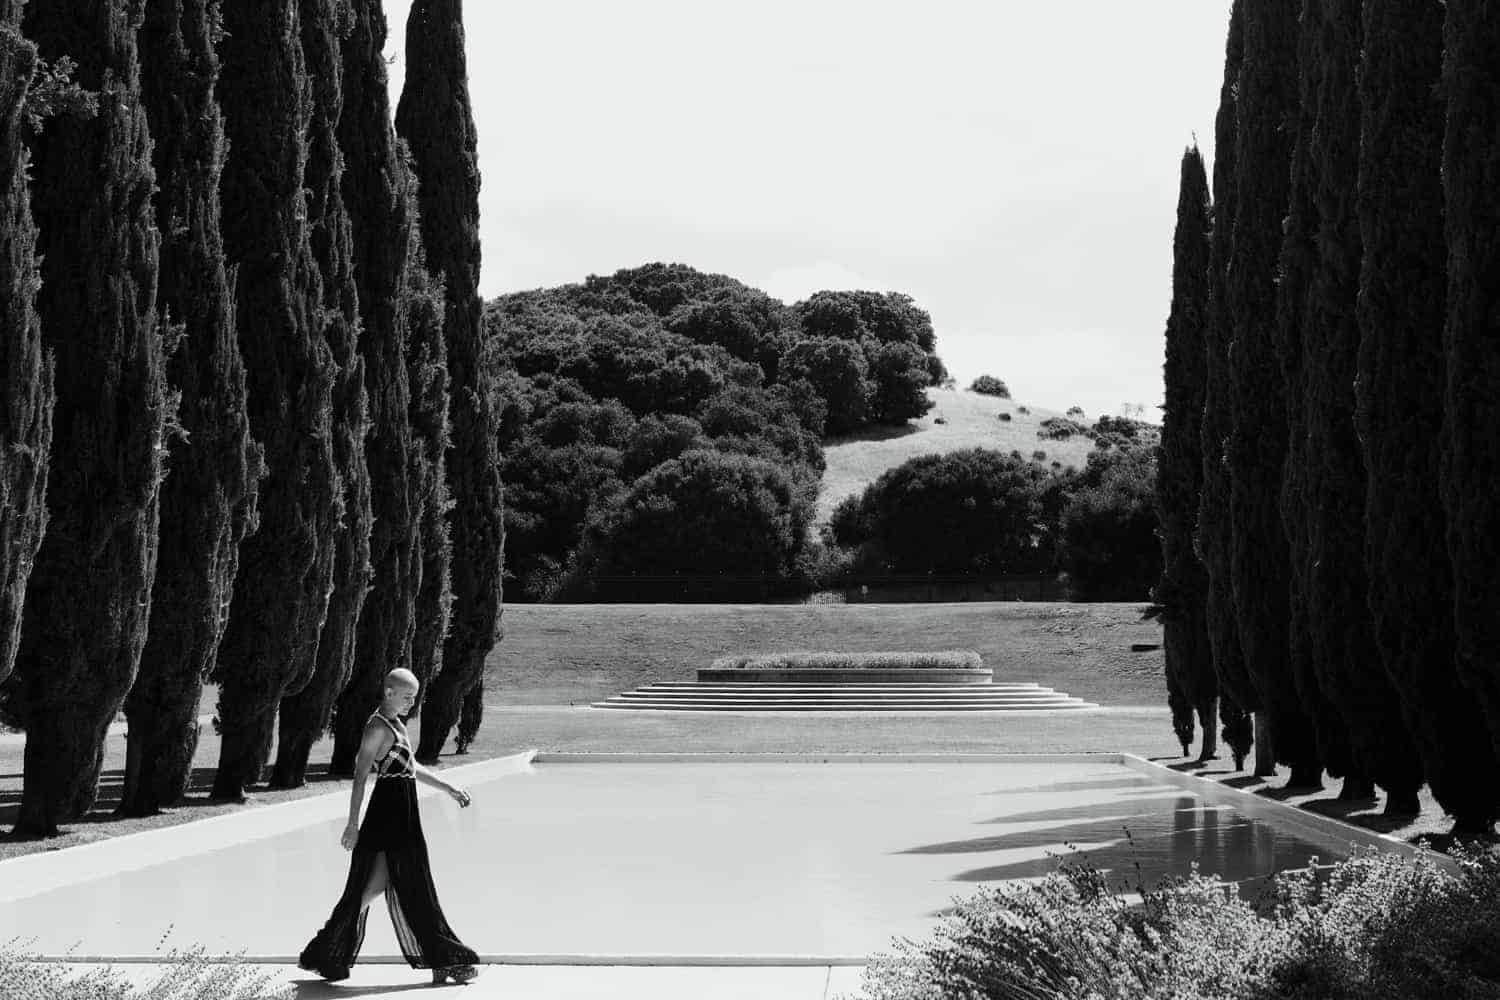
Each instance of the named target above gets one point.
<point>391,827</point>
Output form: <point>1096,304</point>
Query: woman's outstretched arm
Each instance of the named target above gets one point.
<point>431,778</point>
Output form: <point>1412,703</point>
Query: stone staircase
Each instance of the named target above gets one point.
<point>775,696</point>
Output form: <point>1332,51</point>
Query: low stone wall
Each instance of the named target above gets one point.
<point>828,675</point>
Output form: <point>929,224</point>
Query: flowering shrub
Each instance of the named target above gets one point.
<point>188,974</point>
<point>1374,926</point>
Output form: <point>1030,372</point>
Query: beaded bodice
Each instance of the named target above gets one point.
<point>397,762</point>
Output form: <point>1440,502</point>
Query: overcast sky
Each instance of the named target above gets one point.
<point>1011,165</point>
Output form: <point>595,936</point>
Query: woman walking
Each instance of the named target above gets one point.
<point>390,855</point>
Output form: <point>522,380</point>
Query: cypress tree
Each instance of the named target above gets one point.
<point>1237,693</point>
<point>305,713</point>
<point>1399,397</point>
<point>435,119</point>
<point>1345,660</point>
<point>427,370</point>
<point>286,568</point>
<point>208,501</point>
<point>1295,274</point>
<point>26,390</point>
<point>380,215</point>
<point>1257,443</point>
<point>1179,470</point>
<point>89,596</point>
<point>1471,341</point>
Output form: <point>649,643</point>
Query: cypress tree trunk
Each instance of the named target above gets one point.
<point>90,592</point>
<point>1237,690</point>
<point>208,501</point>
<point>470,716</point>
<point>1399,396</point>
<point>26,390</point>
<point>286,569</point>
<point>1179,481</point>
<point>1177,702</point>
<point>381,222</point>
<point>435,119</point>
<point>1256,450</point>
<point>1471,338</point>
<point>305,714</point>
<point>1296,267</point>
<point>1344,655</point>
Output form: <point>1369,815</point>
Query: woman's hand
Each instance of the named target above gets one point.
<point>351,835</point>
<point>459,795</point>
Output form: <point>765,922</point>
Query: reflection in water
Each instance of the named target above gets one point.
<point>1143,841</point>
<point>1086,785</point>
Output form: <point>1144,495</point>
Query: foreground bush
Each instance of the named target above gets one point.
<point>958,659</point>
<point>1375,926</point>
<point>184,975</point>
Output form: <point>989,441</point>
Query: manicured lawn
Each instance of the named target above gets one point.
<point>575,654</point>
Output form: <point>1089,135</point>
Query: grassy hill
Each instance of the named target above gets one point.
<point>970,420</point>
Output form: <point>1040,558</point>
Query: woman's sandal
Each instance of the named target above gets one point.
<point>329,975</point>
<point>457,973</point>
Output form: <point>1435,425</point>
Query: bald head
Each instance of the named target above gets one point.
<point>401,679</point>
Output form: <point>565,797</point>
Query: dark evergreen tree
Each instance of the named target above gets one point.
<point>89,597</point>
<point>1399,397</point>
<point>1256,450</point>
<point>208,502</point>
<point>270,646</point>
<point>1345,660</point>
<point>305,714</point>
<point>1179,469</point>
<point>1237,692</point>
<point>427,370</point>
<point>1471,340</point>
<point>26,390</point>
<point>435,118</point>
<point>1296,266</point>
<point>381,217</point>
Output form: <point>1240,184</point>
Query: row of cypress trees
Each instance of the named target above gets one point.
<point>1329,524</point>
<point>261,304</point>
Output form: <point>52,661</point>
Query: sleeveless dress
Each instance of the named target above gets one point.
<point>391,827</point>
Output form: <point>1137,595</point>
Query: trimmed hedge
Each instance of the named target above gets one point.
<point>955,659</point>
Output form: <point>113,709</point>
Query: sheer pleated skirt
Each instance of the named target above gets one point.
<point>391,828</point>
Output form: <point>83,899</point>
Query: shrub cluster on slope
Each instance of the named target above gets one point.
<point>982,511</point>
<point>653,415</point>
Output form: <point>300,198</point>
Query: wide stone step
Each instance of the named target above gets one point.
<point>687,696</point>
<point>777,698</point>
<point>793,686</point>
<point>843,706</point>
